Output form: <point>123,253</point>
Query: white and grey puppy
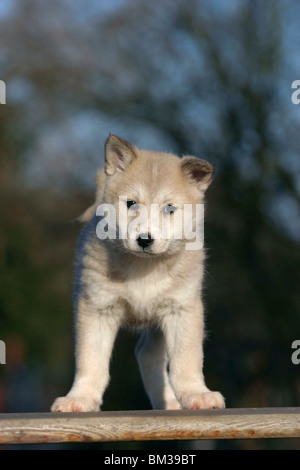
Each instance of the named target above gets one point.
<point>145,280</point>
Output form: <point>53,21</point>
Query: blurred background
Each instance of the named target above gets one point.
<point>209,78</point>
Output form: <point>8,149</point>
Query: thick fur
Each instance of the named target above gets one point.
<point>157,288</point>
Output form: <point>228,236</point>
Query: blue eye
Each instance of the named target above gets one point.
<point>131,204</point>
<point>169,209</point>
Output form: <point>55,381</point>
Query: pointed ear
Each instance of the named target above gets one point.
<point>118,154</point>
<point>200,172</point>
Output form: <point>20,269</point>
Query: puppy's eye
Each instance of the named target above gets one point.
<point>131,204</point>
<point>169,209</point>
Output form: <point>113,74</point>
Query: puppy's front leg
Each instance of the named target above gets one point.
<point>184,337</point>
<point>95,336</point>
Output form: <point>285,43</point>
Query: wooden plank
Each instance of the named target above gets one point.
<point>150,425</point>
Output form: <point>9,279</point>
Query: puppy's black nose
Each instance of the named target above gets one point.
<point>145,240</point>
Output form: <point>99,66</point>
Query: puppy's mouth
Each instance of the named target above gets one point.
<point>149,252</point>
<point>145,253</point>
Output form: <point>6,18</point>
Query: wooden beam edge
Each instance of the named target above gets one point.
<point>150,425</point>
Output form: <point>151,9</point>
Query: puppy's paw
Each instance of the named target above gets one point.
<point>74,404</point>
<point>172,404</point>
<point>203,401</point>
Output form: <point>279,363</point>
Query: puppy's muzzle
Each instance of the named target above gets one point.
<point>145,240</point>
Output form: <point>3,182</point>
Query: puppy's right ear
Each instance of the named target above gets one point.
<point>118,154</point>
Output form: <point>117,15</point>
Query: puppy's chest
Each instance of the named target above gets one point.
<point>149,292</point>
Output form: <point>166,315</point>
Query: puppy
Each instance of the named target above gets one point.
<point>142,278</point>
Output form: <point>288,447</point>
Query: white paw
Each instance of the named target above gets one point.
<point>74,404</point>
<point>172,404</point>
<point>200,401</point>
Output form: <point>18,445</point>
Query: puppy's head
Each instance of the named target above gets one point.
<point>154,197</point>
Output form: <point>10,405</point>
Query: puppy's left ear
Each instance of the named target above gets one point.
<point>118,154</point>
<point>200,172</point>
